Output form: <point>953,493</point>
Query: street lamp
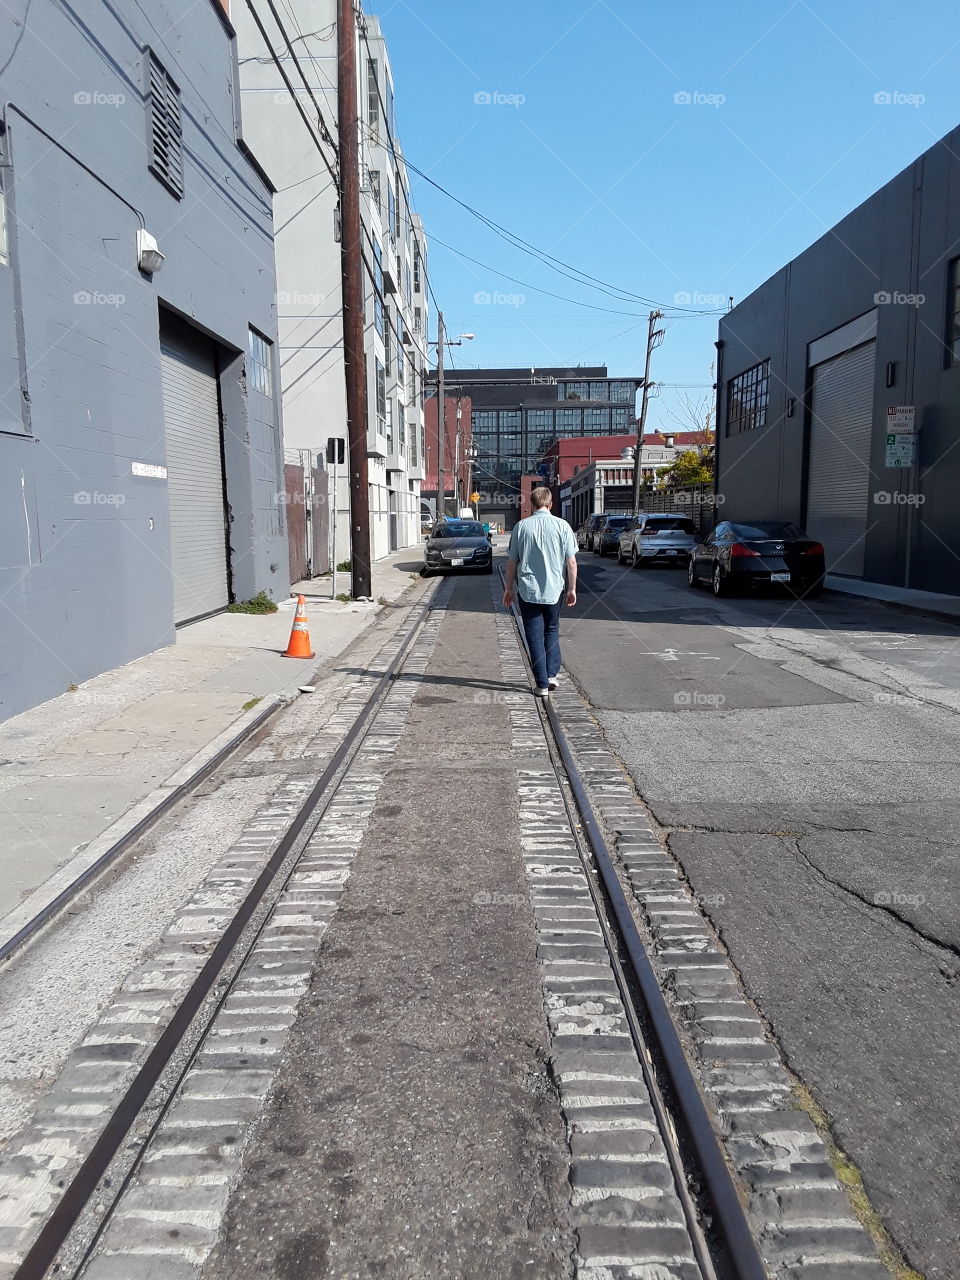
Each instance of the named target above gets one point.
<point>442,342</point>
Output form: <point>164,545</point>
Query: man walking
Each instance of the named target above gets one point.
<point>542,547</point>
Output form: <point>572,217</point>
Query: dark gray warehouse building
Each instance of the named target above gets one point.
<point>140,446</point>
<point>839,386</point>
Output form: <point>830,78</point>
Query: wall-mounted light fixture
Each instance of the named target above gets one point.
<point>149,257</point>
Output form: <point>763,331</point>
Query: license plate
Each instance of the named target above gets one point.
<point>673,553</point>
<point>774,577</point>
<point>459,560</point>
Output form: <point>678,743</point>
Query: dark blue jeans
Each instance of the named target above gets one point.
<point>541,625</point>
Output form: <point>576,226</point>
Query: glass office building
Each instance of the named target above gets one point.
<point>518,413</point>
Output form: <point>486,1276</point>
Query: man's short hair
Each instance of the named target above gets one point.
<point>540,497</point>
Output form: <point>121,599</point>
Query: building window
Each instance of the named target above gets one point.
<point>166,128</point>
<point>417,268</point>
<point>401,427</point>
<point>381,399</point>
<point>260,371</point>
<point>622,418</point>
<point>953,314</point>
<point>376,195</point>
<point>391,212</point>
<point>378,289</point>
<point>389,430</point>
<point>417,320</point>
<point>373,94</point>
<point>747,396</point>
<point>4,244</point>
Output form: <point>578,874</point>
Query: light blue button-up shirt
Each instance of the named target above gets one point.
<point>541,544</point>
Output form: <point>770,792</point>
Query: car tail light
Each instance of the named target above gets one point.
<point>738,549</point>
<point>814,549</point>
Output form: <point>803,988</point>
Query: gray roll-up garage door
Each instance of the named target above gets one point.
<point>191,411</point>
<point>841,431</point>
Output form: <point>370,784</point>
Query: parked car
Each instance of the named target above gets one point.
<point>660,538</point>
<point>759,554</point>
<point>606,536</point>
<point>586,531</point>
<point>457,544</point>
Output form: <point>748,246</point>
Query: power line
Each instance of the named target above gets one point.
<point>573,301</point>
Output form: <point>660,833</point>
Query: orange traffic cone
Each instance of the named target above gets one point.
<point>299,646</point>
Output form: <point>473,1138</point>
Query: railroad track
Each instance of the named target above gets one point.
<point>145,1129</point>
<point>721,1241</point>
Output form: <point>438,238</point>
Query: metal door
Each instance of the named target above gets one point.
<point>195,486</point>
<point>841,432</point>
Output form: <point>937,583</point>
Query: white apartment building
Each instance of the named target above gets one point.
<point>309,298</point>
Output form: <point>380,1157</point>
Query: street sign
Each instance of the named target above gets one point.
<point>901,419</point>
<point>900,451</point>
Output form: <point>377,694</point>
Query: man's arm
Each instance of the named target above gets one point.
<point>508,584</point>
<point>571,580</point>
<point>571,567</point>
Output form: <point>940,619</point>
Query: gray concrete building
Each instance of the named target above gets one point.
<point>140,446</point>
<point>839,386</point>
<point>308,258</point>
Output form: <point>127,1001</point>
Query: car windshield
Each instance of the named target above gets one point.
<point>761,529</point>
<point>679,524</point>
<point>460,529</point>
<point>618,522</point>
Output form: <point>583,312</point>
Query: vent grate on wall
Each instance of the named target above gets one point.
<point>166,128</point>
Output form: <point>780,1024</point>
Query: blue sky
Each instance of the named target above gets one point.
<point>586,152</point>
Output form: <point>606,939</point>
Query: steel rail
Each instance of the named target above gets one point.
<point>729,1218</point>
<point>61,1221</point>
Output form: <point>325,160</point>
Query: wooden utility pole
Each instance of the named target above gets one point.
<point>351,262</point>
<point>652,334</point>
<point>441,422</point>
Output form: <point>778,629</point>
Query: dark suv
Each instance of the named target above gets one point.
<point>606,536</point>
<point>457,544</point>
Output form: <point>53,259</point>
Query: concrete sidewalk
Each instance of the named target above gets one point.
<point>77,773</point>
<point>930,604</point>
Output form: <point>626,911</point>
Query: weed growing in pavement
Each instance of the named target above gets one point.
<point>260,603</point>
<point>344,566</point>
<point>248,706</point>
<point>852,1183</point>
<point>345,596</point>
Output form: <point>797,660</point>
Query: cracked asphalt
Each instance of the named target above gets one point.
<point>804,764</point>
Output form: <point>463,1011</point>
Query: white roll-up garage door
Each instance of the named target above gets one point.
<point>841,431</point>
<point>191,410</point>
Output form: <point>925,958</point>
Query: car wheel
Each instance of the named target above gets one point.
<point>620,559</point>
<point>636,560</point>
<point>692,579</point>
<point>425,572</point>
<point>720,585</point>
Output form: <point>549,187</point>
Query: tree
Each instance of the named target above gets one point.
<point>690,467</point>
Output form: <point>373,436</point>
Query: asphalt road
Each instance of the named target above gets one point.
<point>804,763</point>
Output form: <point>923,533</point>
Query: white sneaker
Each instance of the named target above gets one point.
<point>541,693</point>
<point>553,682</point>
